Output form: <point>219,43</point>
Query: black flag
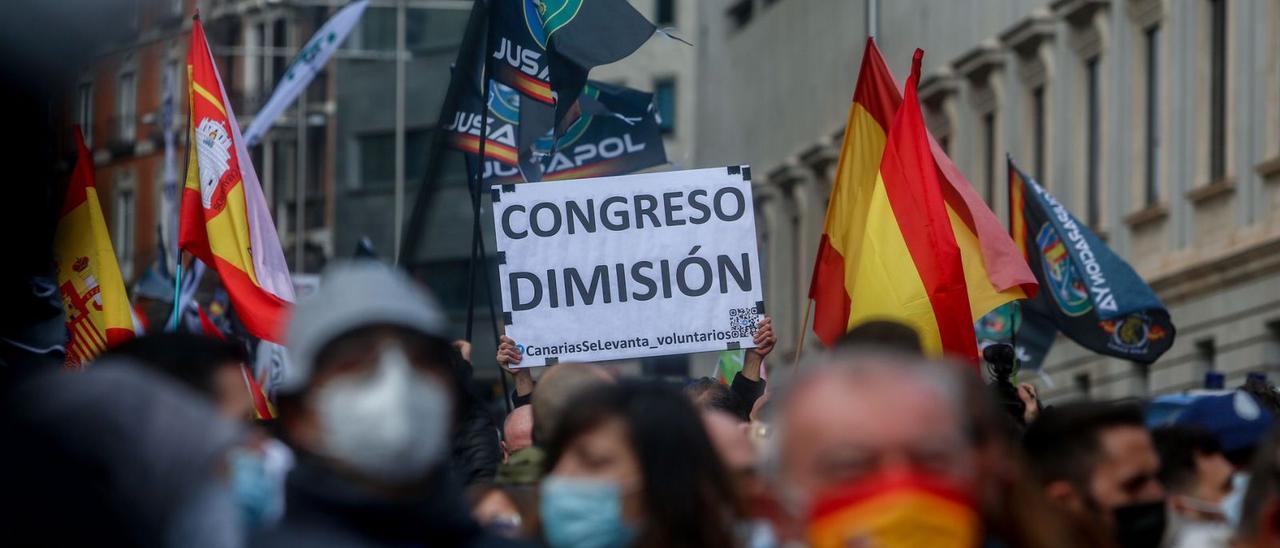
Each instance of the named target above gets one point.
<point>613,132</point>
<point>543,49</point>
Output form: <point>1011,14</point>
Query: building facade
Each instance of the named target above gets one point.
<point>118,102</point>
<point>1157,122</point>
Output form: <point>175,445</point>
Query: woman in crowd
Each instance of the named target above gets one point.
<point>631,465</point>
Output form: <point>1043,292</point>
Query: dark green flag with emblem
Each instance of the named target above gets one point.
<point>544,50</point>
<point>1087,292</point>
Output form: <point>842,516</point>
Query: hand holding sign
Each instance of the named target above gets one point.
<point>764,338</point>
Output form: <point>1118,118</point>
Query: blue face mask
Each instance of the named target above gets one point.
<point>583,513</point>
<point>258,491</point>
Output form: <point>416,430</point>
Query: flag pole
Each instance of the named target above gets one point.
<point>804,331</point>
<point>426,190</point>
<point>1017,306</point>
<point>493,315</point>
<point>477,183</point>
<point>186,161</point>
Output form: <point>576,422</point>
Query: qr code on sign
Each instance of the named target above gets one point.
<point>742,321</point>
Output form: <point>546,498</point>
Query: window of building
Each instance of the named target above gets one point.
<point>1151,193</point>
<point>1141,379</point>
<point>84,111</point>
<point>377,157</point>
<point>664,98</point>
<point>123,217</point>
<point>378,29</point>
<point>1217,89</point>
<point>740,13</point>
<point>665,12</point>
<point>126,106</point>
<point>171,82</point>
<point>279,61</point>
<point>1037,130</point>
<point>1206,357</point>
<point>448,279</point>
<point>1093,169</point>
<point>1084,385</point>
<point>1271,353</point>
<point>989,155</point>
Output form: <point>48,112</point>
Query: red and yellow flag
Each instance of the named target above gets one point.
<point>901,510</point>
<point>225,219</point>
<point>906,236</point>
<point>89,280</point>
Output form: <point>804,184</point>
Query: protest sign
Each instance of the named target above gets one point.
<point>629,266</point>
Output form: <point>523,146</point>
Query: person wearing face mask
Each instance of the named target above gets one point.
<point>215,369</point>
<point>368,405</point>
<point>631,465</point>
<point>868,446</point>
<point>1198,479</point>
<point>1259,525</point>
<point>1096,461</point>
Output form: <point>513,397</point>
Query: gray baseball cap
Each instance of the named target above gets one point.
<point>353,295</point>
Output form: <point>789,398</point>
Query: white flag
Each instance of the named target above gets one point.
<point>304,67</point>
<point>169,189</point>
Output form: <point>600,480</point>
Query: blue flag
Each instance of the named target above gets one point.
<point>1087,292</point>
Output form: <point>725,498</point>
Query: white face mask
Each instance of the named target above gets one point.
<point>392,425</point>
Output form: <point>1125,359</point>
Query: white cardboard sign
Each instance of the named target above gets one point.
<point>629,266</point>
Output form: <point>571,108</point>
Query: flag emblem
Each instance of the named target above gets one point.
<point>1132,333</point>
<point>213,144</point>
<point>1065,283</point>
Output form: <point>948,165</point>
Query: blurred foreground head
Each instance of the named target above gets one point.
<point>209,366</point>
<point>369,387</point>
<point>1260,517</point>
<point>556,387</point>
<point>135,457</point>
<point>852,416</point>
<point>869,446</point>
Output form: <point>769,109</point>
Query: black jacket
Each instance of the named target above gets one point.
<point>745,393</point>
<point>476,452</point>
<point>324,509</point>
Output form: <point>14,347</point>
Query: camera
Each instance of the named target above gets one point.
<point>1000,360</point>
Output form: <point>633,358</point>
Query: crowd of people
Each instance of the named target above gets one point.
<point>381,440</point>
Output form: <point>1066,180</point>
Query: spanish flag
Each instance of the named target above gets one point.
<point>225,219</point>
<point>906,236</point>
<point>97,308</point>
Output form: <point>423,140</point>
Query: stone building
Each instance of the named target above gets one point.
<point>1155,121</point>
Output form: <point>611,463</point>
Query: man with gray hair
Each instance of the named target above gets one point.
<point>879,424</point>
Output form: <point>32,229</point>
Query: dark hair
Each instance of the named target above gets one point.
<point>688,498</point>
<point>1063,443</point>
<point>709,395</point>
<point>191,359</point>
<point>886,334</point>
<point>1178,447</point>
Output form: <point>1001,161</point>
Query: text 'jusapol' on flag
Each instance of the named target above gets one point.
<point>906,237</point>
<point>225,219</point>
